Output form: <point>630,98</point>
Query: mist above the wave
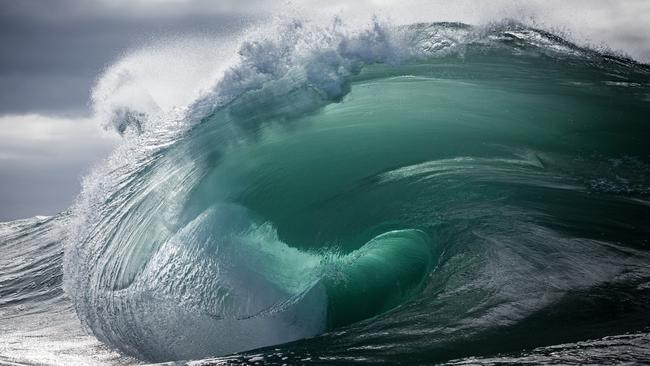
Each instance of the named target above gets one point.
<point>616,25</point>
<point>155,79</point>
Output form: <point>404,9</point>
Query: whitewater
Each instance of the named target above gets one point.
<point>391,193</point>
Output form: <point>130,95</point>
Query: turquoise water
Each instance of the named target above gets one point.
<point>469,194</point>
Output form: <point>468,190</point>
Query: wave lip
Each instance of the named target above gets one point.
<point>383,274</point>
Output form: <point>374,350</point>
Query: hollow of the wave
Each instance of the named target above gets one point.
<point>379,276</point>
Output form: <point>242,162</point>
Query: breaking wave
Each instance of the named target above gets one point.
<point>411,193</point>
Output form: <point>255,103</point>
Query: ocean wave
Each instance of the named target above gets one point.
<point>410,193</point>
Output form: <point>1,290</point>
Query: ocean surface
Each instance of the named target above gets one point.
<point>398,194</point>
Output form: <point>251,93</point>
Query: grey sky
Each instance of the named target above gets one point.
<point>52,51</point>
<point>42,160</point>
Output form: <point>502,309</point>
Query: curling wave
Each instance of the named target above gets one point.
<point>399,193</point>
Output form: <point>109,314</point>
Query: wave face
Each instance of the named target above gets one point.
<point>408,194</point>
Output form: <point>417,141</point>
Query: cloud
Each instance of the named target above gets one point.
<point>45,135</point>
<point>57,10</point>
<point>42,160</point>
<point>52,57</point>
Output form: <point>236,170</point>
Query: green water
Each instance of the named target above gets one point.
<point>493,199</point>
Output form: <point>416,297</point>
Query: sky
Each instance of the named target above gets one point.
<point>53,52</point>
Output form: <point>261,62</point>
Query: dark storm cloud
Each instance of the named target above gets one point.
<point>52,51</point>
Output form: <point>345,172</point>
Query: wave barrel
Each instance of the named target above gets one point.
<point>379,276</point>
